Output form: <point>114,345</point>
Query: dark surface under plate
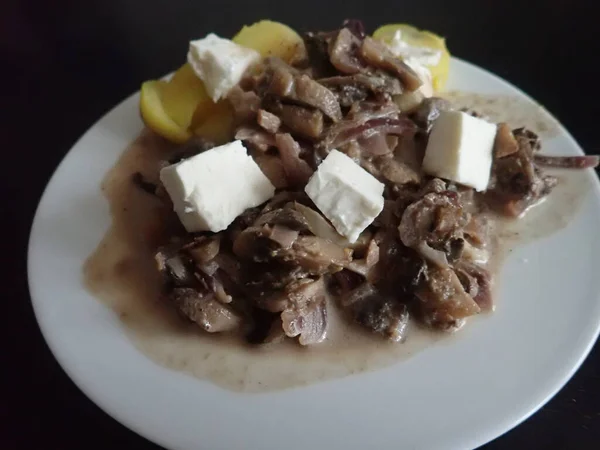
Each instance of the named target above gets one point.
<point>65,63</point>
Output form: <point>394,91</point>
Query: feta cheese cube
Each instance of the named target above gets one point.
<point>219,63</point>
<point>211,189</point>
<point>460,149</point>
<point>349,196</point>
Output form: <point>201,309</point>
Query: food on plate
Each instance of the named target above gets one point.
<point>190,184</point>
<point>154,115</point>
<point>272,39</point>
<point>326,172</point>
<point>419,47</point>
<point>182,94</point>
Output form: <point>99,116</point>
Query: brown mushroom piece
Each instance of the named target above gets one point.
<point>343,52</point>
<point>296,169</point>
<point>285,215</point>
<point>270,122</point>
<point>431,224</point>
<point>272,167</point>
<point>443,302</point>
<point>316,255</point>
<point>317,47</point>
<point>309,323</point>
<point>428,111</point>
<point>245,103</point>
<point>203,249</point>
<point>304,90</point>
<point>364,265</point>
<point>478,283</point>
<point>379,313</point>
<point>255,137</point>
<point>297,293</point>
<point>354,89</point>
<point>177,269</point>
<point>202,308</point>
<point>516,182</point>
<point>378,55</point>
<point>303,121</point>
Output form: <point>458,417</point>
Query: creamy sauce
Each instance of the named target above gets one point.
<point>515,111</point>
<point>122,274</point>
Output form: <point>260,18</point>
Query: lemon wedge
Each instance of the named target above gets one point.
<point>421,38</point>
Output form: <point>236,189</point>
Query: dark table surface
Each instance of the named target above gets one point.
<point>71,61</point>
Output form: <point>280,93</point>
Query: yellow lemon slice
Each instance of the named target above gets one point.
<point>421,38</point>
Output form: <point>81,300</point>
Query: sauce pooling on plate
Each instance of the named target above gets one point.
<point>122,273</point>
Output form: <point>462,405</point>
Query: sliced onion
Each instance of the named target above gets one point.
<point>319,226</point>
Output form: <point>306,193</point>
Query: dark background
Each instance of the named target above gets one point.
<point>65,63</point>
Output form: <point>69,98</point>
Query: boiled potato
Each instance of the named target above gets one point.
<point>214,122</point>
<point>167,107</point>
<point>421,38</point>
<point>182,95</point>
<point>272,39</point>
<point>155,116</point>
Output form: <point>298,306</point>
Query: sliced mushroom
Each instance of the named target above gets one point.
<point>343,52</point>
<point>203,309</point>
<point>303,89</point>
<point>378,55</point>
<point>303,121</point>
<point>270,122</point>
<point>308,321</point>
<point>296,169</point>
<point>443,300</point>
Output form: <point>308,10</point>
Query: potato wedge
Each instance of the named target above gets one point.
<point>154,115</point>
<point>214,122</point>
<point>421,38</point>
<point>182,95</point>
<point>272,39</point>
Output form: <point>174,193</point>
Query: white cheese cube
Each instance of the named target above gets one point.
<point>211,189</point>
<point>349,196</point>
<point>460,149</point>
<point>219,63</point>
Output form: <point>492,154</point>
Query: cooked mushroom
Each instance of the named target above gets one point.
<point>378,55</point>
<point>343,53</point>
<point>296,169</point>
<point>303,121</point>
<point>203,309</point>
<point>270,122</point>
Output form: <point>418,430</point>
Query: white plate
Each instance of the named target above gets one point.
<point>458,395</point>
